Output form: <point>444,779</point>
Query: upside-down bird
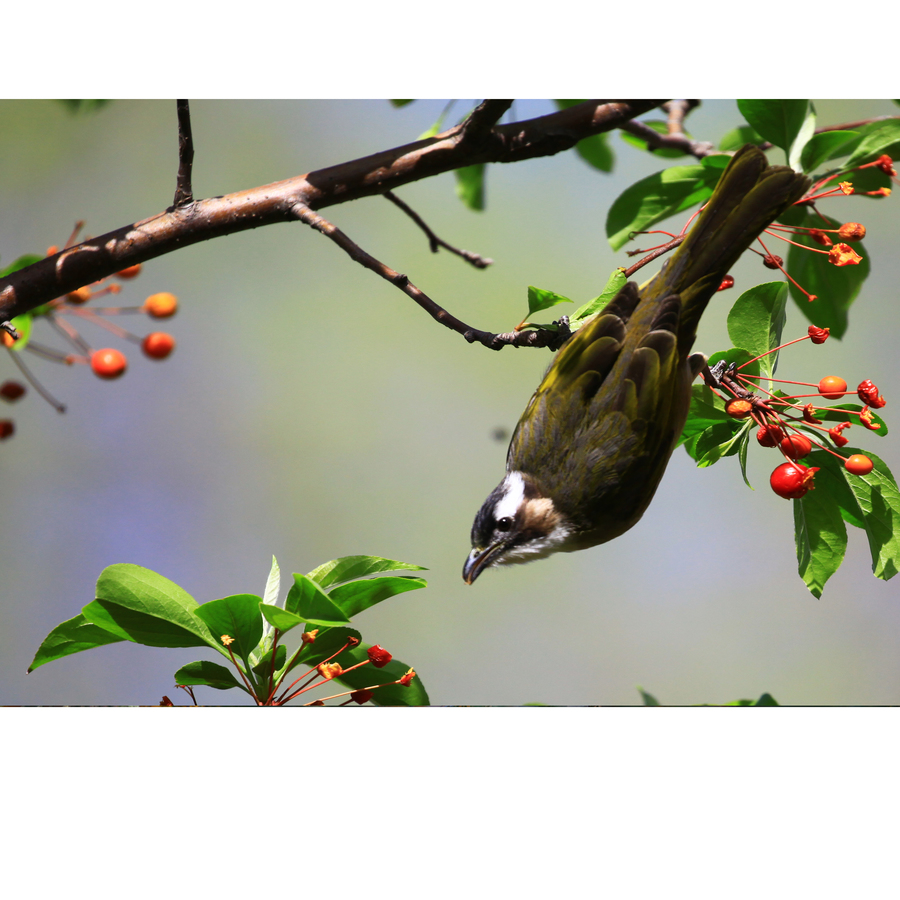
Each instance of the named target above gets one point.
<point>594,441</point>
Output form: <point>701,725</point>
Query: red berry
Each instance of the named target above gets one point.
<point>161,306</point>
<point>158,345</point>
<point>378,656</point>
<point>869,395</point>
<point>791,480</point>
<point>727,282</point>
<point>7,427</point>
<point>795,446</point>
<point>739,409</point>
<point>362,696</point>
<point>130,272</point>
<point>11,390</point>
<point>859,464</point>
<point>832,387</point>
<point>108,363</point>
<point>818,335</point>
<point>769,435</point>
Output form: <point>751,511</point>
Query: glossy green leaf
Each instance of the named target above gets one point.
<point>737,137</point>
<point>71,636</point>
<point>877,142</point>
<point>280,618</point>
<point>264,667</point>
<point>139,605</point>
<point>649,699</point>
<point>757,319</point>
<point>29,259</point>
<point>657,197</point>
<point>706,410</point>
<point>778,121</point>
<point>738,356</point>
<point>208,673</point>
<point>307,600</point>
<point>807,130</point>
<point>470,186</point>
<point>659,127</point>
<point>594,150</point>
<point>539,299</point>
<point>717,442</point>
<point>615,284</point>
<point>353,598</point>
<point>826,146</point>
<point>820,536</point>
<point>835,287</point>
<point>237,616</point>
<point>743,445</point>
<point>349,568</point>
<point>399,103</point>
<point>830,480</point>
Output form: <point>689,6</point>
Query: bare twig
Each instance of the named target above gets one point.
<point>59,407</point>
<point>480,262</point>
<point>95,259</point>
<point>438,313</point>
<point>657,141</point>
<point>678,110</point>
<point>482,119</point>
<point>654,254</point>
<point>183,190</point>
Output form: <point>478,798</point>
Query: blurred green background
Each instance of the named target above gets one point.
<point>312,411</point>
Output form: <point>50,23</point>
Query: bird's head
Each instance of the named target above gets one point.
<point>517,523</point>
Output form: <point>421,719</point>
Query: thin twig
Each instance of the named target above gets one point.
<point>678,110</point>
<point>482,119</point>
<point>480,262</point>
<point>657,141</point>
<point>59,407</point>
<point>654,254</point>
<point>438,313</point>
<point>183,190</point>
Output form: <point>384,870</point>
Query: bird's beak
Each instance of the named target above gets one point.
<point>477,561</point>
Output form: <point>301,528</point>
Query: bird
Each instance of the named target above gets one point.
<point>594,441</point>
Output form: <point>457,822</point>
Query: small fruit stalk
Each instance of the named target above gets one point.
<point>63,313</point>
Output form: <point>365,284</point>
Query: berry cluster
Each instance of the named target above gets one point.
<point>792,426</point>
<point>62,313</point>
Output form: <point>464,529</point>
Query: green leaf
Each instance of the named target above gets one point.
<point>778,121</point>
<point>718,441</point>
<point>743,444</point>
<point>353,598</point>
<point>875,143</point>
<point>208,673</point>
<point>83,106</point>
<point>649,699</point>
<point>739,357</point>
<point>72,636</point>
<point>22,324</point>
<point>349,568</point>
<point>821,538</point>
<point>273,584</point>
<point>830,480</point>
<point>539,299</point>
<point>139,605</point>
<point>807,130</point>
<point>835,287</point>
<point>825,146</point>
<point>757,319</point>
<point>470,186</point>
<point>737,137</point>
<point>280,618</point>
<point>766,700</point>
<point>659,127</point>
<point>706,410</point>
<point>879,504</point>
<point>237,616</point>
<point>29,259</point>
<point>308,600</point>
<point>264,666</point>
<point>615,284</point>
<point>399,103</point>
<point>657,197</point>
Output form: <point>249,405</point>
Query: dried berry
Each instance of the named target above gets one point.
<point>852,231</point>
<point>769,436</point>
<point>739,409</point>
<point>378,656</point>
<point>818,335</point>
<point>7,427</point>
<point>868,393</point>
<point>362,696</point>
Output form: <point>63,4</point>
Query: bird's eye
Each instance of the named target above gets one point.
<point>504,524</point>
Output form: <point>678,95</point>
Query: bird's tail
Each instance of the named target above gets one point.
<point>750,195</point>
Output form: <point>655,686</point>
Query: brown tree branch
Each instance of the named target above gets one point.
<point>214,217</point>
<point>438,313</point>
<point>482,119</point>
<point>183,190</point>
<point>434,242</point>
<point>657,141</point>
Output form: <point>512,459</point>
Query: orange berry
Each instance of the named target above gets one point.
<point>130,272</point>
<point>8,339</point>
<point>859,464</point>
<point>158,345</point>
<point>52,249</point>
<point>795,446</point>
<point>852,231</point>
<point>739,409</point>
<point>832,387</point>
<point>108,363</point>
<point>162,305</point>
<point>82,295</point>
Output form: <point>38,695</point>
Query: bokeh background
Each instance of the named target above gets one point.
<point>311,411</point>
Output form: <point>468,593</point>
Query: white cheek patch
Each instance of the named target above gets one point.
<point>513,495</point>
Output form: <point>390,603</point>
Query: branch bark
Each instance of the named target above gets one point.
<point>218,216</point>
